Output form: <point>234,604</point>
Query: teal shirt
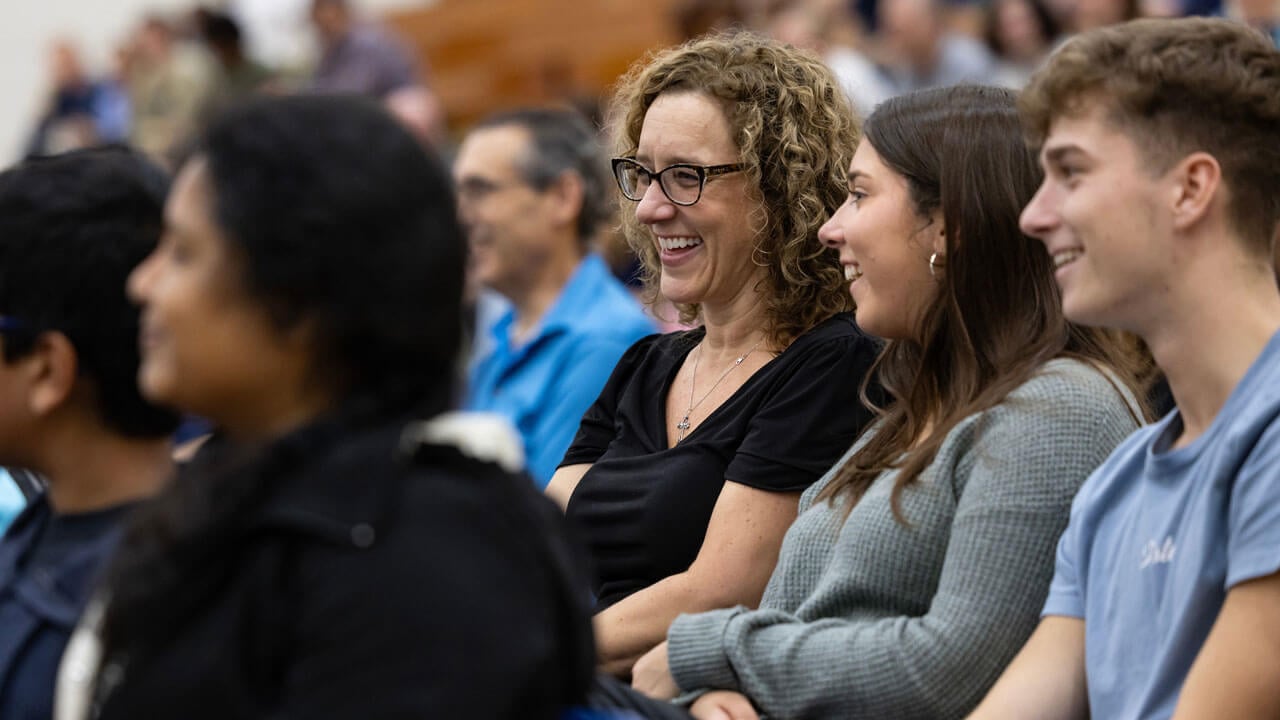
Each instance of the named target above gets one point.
<point>545,385</point>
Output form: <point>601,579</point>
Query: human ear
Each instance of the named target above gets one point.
<point>566,194</point>
<point>939,239</point>
<point>52,367</point>
<point>1196,180</point>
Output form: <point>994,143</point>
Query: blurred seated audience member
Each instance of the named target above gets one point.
<point>169,82</point>
<point>328,553</point>
<point>238,76</point>
<point>920,52</point>
<point>686,471</point>
<point>1021,34</point>
<point>533,193</point>
<point>364,58</point>
<point>695,18</point>
<point>813,25</point>
<point>80,112</point>
<point>1091,14</point>
<point>1161,8</point>
<point>918,564</point>
<point>1261,14</point>
<point>72,227</point>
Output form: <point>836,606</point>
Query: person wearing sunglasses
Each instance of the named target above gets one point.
<point>686,471</point>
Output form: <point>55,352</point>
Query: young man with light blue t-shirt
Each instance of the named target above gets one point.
<point>1161,146</point>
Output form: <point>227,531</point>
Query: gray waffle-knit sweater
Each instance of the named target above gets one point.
<point>867,618</point>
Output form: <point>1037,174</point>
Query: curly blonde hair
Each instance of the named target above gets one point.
<point>795,131</point>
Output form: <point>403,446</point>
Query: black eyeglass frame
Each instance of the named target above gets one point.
<point>704,172</point>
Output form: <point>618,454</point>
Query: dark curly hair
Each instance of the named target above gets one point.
<point>72,228</point>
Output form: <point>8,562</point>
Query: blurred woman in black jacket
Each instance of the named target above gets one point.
<point>328,554</point>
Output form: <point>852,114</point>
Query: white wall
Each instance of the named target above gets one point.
<point>276,31</point>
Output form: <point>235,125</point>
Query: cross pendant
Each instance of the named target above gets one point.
<point>683,424</point>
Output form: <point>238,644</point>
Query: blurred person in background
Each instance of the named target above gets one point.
<point>169,81</point>
<point>72,227</point>
<point>1020,33</point>
<point>81,111</point>
<point>237,75</point>
<point>687,469</point>
<point>815,25</point>
<point>695,18</point>
<point>533,193</point>
<point>328,554</point>
<point>921,52</point>
<point>1088,15</point>
<point>1261,14</point>
<point>364,58</point>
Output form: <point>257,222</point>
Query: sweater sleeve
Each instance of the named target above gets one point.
<point>1015,482</point>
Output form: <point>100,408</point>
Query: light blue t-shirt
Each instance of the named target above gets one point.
<point>11,500</point>
<point>1157,537</point>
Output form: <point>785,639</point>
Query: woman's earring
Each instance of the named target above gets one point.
<point>934,265</point>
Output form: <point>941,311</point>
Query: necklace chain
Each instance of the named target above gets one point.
<point>683,425</point>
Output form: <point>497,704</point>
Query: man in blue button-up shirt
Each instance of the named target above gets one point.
<point>532,192</point>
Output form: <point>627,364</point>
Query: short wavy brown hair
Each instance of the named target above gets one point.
<point>1176,87</point>
<point>795,131</point>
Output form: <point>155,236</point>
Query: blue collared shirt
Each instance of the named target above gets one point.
<point>545,385</point>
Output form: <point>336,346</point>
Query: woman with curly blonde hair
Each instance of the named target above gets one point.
<point>687,470</point>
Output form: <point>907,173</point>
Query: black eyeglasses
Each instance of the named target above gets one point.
<point>682,183</point>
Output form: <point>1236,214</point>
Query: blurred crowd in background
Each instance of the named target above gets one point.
<point>172,73</point>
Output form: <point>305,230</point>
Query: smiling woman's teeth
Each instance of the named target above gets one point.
<point>851,272</point>
<point>1063,257</point>
<point>676,243</point>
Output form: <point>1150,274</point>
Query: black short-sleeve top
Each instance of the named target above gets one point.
<point>643,508</point>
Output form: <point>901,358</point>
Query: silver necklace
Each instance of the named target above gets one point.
<point>683,425</point>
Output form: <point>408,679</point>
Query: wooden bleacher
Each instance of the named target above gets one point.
<point>489,55</point>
